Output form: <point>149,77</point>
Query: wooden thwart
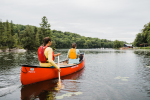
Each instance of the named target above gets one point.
<point>65,64</point>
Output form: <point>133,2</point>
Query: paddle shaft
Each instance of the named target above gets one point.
<point>59,68</point>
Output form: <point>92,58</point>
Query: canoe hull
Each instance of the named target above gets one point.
<point>33,74</point>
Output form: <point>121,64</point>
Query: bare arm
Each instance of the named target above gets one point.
<point>50,59</point>
<point>57,54</point>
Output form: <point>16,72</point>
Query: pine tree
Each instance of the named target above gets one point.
<point>10,40</point>
<point>7,34</point>
<point>45,27</point>
<point>12,29</point>
<point>49,32</point>
<point>1,32</point>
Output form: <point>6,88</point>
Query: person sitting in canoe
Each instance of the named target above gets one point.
<point>46,55</point>
<point>73,54</point>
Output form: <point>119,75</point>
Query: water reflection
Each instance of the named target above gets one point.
<point>6,61</point>
<point>10,60</point>
<point>9,70</point>
<point>37,90</point>
<point>96,51</point>
<point>46,89</point>
<point>109,74</point>
<point>142,52</point>
<point>143,70</point>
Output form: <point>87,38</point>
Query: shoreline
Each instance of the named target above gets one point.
<point>13,50</point>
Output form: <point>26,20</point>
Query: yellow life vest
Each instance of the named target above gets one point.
<point>72,53</point>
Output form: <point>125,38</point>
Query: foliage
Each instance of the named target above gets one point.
<point>1,32</point>
<point>118,44</point>
<point>143,47</point>
<point>143,37</point>
<point>138,40</point>
<point>28,38</point>
<point>45,27</point>
<point>31,37</point>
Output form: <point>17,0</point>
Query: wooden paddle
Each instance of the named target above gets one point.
<point>59,84</point>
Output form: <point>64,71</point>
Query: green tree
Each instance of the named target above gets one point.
<point>118,44</point>
<point>45,26</point>
<point>1,32</point>
<point>9,40</point>
<point>37,40</point>
<point>41,37</point>
<point>16,38</point>
<point>27,40</point>
<point>148,38</point>
<point>145,32</point>
<point>138,40</point>
<point>80,42</point>
<point>35,32</point>
<point>19,37</point>
<point>30,37</point>
<point>12,29</point>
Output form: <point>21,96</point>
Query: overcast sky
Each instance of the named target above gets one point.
<point>105,19</point>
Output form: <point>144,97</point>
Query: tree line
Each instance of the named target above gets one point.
<point>143,37</point>
<point>31,37</point>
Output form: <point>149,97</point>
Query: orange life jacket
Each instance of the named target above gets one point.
<point>41,55</point>
<point>72,53</point>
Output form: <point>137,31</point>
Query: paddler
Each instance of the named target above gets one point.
<point>46,55</point>
<point>73,54</point>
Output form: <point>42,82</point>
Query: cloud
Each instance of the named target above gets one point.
<point>105,19</point>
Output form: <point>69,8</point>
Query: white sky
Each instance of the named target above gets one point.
<point>105,19</point>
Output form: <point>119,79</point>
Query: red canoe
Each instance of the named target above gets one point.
<point>34,90</point>
<point>32,74</point>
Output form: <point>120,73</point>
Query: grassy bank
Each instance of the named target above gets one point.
<point>144,47</point>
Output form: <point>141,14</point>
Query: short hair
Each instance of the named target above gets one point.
<point>46,40</point>
<point>74,45</point>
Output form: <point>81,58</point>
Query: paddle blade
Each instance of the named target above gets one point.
<point>59,86</point>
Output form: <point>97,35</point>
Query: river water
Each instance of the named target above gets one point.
<point>108,75</point>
